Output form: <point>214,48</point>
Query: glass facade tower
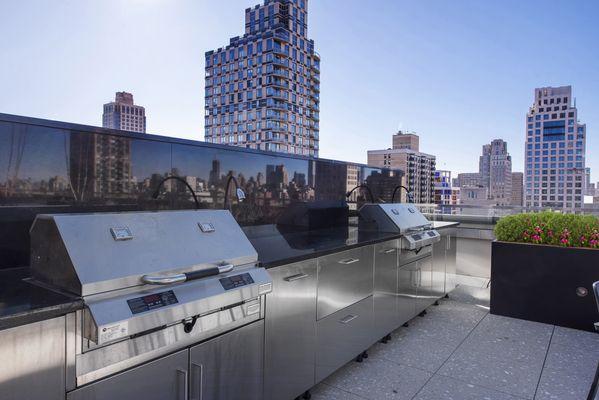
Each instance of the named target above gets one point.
<point>555,151</point>
<point>263,89</point>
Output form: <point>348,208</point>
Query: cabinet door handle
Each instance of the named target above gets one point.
<point>387,251</point>
<point>348,319</point>
<point>349,261</point>
<point>295,277</point>
<point>182,373</point>
<point>197,375</point>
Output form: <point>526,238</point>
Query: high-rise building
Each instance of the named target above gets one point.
<point>555,151</point>
<point>517,188</point>
<point>495,168</point>
<point>122,114</point>
<point>419,167</point>
<point>494,173</point>
<point>263,89</point>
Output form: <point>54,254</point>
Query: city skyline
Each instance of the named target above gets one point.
<point>454,104</point>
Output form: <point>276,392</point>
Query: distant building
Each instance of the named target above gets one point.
<point>443,189</point>
<point>263,90</point>
<point>494,173</point>
<point>495,169</point>
<point>475,196</point>
<point>469,179</point>
<point>588,187</point>
<point>555,151</point>
<point>419,167</point>
<point>406,140</point>
<point>517,188</point>
<point>123,115</point>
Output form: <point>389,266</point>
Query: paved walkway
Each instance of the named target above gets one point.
<point>460,351</point>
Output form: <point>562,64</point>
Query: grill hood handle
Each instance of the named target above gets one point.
<point>186,276</point>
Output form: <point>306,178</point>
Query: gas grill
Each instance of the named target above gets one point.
<point>404,219</point>
<point>152,282</point>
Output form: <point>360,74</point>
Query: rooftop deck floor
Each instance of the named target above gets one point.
<point>460,351</point>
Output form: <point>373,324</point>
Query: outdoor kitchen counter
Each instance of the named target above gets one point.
<point>279,245</point>
<point>22,302</point>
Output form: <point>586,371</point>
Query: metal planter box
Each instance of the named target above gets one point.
<point>547,284</point>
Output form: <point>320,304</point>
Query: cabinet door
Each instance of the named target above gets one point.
<point>344,279</point>
<point>450,260</point>
<point>290,330</point>
<point>33,361</point>
<point>406,292</point>
<point>342,336</point>
<point>229,367</point>
<point>163,379</point>
<point>424,279</point>
<point>385,288</point>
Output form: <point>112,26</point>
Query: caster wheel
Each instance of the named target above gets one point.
<point>422,314</point>
<point>359,358</point>
<point>307,395</point>
<point>447,295</point>
<point>365,355</point>
<point>406,324</point>
<point>436,303</point>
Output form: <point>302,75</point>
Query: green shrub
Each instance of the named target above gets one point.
<point>567,230</point>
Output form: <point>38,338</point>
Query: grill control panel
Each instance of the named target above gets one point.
<point>152,301</point>
<point>235,281</point>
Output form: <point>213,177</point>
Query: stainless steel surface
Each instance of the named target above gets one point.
<point>408,256</point>
<point>439,265</point>
<point>414,241</point>
<point>163,379</point>
<point>394,217</point>
<point>229,367</point>
<point>98,362</point>
<point>77,252</point>
<point>344,279</point>
<point>450,259</point>
<point>290,330</point>
<point>423,280</point>
<point>155,283</point>
<point>33,361</point>
<point>342,336</point>
<point>473,257</point>
<point>407,293</point>
<point>109,310</point>
<point>385,297</point>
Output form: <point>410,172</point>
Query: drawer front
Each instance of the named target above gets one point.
<point>290,330</point>
<point>344,279</point>
<point>342,336</point>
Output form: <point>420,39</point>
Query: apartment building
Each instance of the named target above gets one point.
<point>263,89</point>
<point>124,115</point>
<point>419,167</point>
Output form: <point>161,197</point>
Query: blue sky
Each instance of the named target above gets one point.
<point>460,73</point>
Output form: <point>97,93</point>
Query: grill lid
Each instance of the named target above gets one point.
<point>93,253</point>
<point>393,217</point>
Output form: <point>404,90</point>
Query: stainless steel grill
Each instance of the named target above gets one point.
<point>152,282</point>
<point>404,219</point>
